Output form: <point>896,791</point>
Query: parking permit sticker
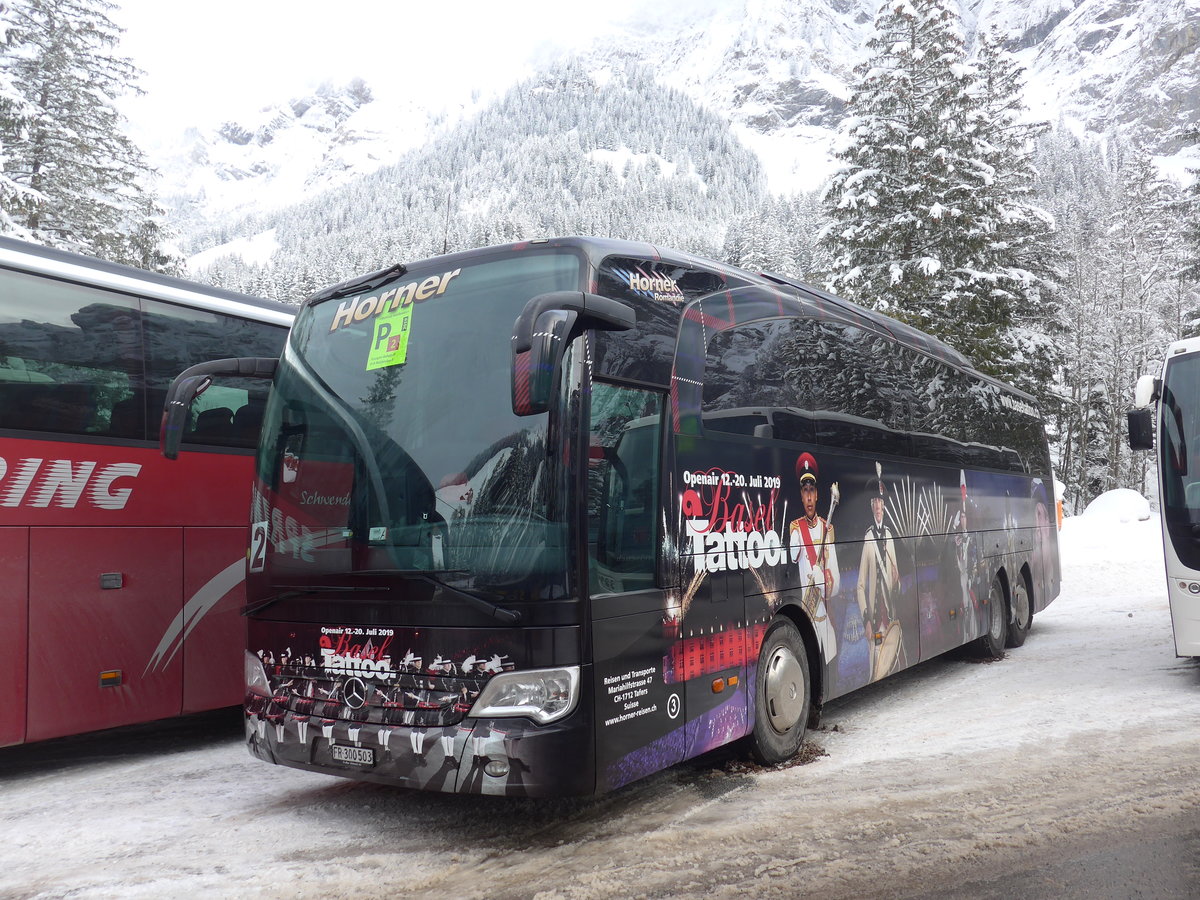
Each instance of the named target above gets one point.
<point>389,344</point>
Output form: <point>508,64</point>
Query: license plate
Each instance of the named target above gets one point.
<point>355,756</point>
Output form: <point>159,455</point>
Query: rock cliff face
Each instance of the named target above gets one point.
<point>783,67</point>
<point>285,153</point>
<point>778,70</point>
<point>1108,63</point>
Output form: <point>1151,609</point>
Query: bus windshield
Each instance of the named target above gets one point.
<point>390,444</point>
<point>1181,455</point>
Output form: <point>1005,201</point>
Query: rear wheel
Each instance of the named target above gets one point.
<point>782,694</point>
<point>991,645</point>
<point>1022,608</point>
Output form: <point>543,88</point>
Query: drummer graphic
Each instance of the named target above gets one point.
<point>879,585</point>
<point>966,553</point>
<point>811,542</point>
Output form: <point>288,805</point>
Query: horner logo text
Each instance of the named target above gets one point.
<point>360,309</point>
<point>662,287</point>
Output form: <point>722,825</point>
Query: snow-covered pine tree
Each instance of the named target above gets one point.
<point>1022,271</point>
<point>1190,207</point>
<point>932,216</point>
<point>61,58</point>
<point>1144,236</point>
<point>1075,180</point>
<point>905,233</point>
<point>16,116</point>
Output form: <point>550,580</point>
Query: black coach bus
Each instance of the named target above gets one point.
<point>546,518</point>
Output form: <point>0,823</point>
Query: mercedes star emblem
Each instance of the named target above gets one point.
<point>354,692</point>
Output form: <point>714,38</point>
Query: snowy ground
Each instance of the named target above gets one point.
<point>934,783</point>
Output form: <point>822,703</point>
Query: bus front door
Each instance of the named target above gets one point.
<point>639,708</point>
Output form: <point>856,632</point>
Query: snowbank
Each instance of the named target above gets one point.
<point>1123,505</point>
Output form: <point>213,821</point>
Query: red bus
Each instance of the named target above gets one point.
<point>122,582</point>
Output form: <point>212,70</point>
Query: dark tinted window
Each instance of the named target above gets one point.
<point>657,291</point>
<point>962,420</point>
<point>416,440</point>
<point>70,357</point>
<point>751,379</point>
<point>860,389</point>
<point>1179,460</point>
<point>71,362</point>
<point>229,413</point>
<point>623,488</point>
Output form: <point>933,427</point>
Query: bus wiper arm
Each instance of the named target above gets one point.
<point>404,572</point>
<point>250,609</point>
<point>362,283</point>
<point>497,612</point>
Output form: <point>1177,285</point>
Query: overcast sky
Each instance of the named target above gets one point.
<point>230,57</point>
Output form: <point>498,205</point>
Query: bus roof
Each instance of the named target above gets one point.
<point>1178,348</point>
<point>597,249</point>
<point>28,257</point>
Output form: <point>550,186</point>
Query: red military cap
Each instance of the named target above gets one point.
<point>806,468</point>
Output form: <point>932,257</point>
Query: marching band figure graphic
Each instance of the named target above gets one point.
<point>811,540</point>
<point>965,554</point>
<point>879,585</point>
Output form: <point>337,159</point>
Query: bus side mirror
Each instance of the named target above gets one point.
<point>1147,391</point>
<point>540,337</point>
<point>191,383</point>
<point>1141,428</point>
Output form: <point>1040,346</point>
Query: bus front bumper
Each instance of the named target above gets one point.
<point>504,757</point>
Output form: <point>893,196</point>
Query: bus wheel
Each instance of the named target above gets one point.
<point>991,645</point>
<point>1022,609</point>
<point>782,695</point>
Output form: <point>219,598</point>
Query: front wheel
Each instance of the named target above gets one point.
<point>782,695</point>
<point>1022,618</point>
<point>991,644</point>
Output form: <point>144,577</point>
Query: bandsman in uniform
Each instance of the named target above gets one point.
<point>811,542</point>
<point>879,585</point>
<point>966,554</point>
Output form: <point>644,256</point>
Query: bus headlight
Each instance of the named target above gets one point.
<point>256,676</point>
<point>544,695</point>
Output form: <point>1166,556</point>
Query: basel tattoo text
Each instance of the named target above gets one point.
<point>727,535</point>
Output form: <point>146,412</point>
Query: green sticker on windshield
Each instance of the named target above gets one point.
<point>389,345</point>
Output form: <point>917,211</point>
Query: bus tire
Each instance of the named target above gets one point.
<point>1022,614</point>
<point>782,695</point>
<point>991,644</point>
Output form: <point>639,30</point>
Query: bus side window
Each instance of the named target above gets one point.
<point>229,413</point>
<point>623,488</point>
<point>860,397</point>
<point>68,355</point>
<point>752,379</point>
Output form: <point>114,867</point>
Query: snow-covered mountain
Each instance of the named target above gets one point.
<point>608,152</point>
<point>288,152</point>
<point>1107,63</point>
<point>776,70</point>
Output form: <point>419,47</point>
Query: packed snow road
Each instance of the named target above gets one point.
<point>1068,769</point>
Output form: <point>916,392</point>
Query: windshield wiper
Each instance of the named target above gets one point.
<point>361,283</point>
<point>497,612</point>
<point>429,572</point>
<point>250,609</point>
